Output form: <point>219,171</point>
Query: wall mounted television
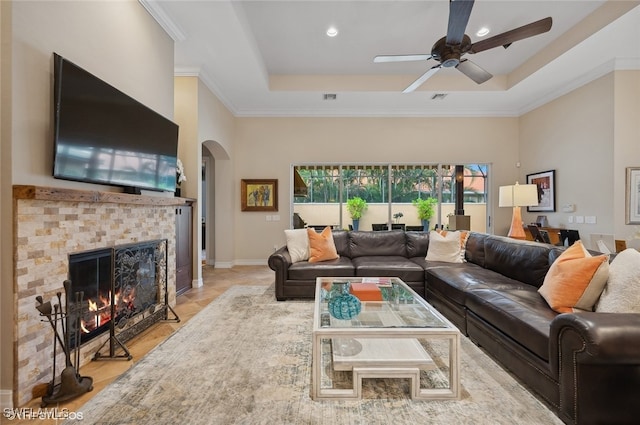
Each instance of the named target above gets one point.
<point>104,136</point>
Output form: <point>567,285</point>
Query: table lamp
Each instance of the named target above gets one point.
<point>516,196</point>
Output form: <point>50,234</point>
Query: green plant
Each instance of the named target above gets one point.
<point>426,207</point>
<point>356,206</point>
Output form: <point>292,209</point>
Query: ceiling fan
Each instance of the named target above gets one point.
<point>450,49</point>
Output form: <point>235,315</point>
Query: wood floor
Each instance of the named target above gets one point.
<point>103,372</point>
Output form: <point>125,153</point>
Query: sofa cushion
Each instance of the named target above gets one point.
<point>474,252</point>
<point>521,314</point>
<point>297,244</point>
<point>321,246</point>
<point>622,293</point>
<point>304,270</point>
<point>417,244</point>
<point>455,280</point>
<point>525,261</point>
<point>341,240</point>
<point>445,247</point>
<point>390,265</point>
<point>392,243</point>
<point>575,280</point>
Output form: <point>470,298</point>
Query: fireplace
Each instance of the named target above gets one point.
<point>118,290</point>
<point>92,274</point>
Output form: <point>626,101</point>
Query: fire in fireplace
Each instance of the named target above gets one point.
<point>118,285</point>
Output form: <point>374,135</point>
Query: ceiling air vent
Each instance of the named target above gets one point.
<point>329,96</point>
<point>438,96</point>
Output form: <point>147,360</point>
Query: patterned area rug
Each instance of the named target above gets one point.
<point>246,359</point>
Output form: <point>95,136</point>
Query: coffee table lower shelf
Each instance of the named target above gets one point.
<point>391,358</point>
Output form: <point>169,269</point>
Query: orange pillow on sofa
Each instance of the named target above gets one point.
<point>575,280</point>
<point>321,245</point>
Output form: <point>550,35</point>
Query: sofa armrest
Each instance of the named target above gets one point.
<point>596,357</point>
<point>279,262</point>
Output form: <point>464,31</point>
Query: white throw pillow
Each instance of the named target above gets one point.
<point>297,244</point>
<point>444,248</point>
<point>622,292</point>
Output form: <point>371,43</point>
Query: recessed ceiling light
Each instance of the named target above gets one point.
<point>332,31</point>
<point>483,31</point>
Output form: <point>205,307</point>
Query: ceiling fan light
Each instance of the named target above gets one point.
<point>332,31</point>
<point>483,31</point>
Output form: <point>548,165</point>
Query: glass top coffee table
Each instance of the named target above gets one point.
<point>371,328</point>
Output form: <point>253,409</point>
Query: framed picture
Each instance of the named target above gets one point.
<point>259,195</point>
<point>633,195</point>
<point>546,183</point>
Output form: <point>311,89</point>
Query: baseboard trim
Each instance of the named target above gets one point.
<point>197,283</point>
<point>6,399</point>
<point>251,263</point>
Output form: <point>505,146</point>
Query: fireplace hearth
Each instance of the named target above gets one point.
<point>125,292</point>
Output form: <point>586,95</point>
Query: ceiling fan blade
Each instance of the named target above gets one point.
<point>506,38</point>
<point>424,77</point>
<point>473,71</point>
<point>401,58</point>
<point>459,12</point>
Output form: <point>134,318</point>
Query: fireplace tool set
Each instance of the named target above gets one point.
<point>70,384</point>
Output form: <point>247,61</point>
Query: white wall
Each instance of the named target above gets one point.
<point>266,147</point>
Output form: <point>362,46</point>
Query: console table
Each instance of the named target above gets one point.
<point>554,234</point>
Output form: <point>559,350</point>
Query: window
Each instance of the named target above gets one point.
<point>389,190</point>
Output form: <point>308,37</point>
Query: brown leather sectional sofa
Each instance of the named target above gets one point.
<point>585,366</point>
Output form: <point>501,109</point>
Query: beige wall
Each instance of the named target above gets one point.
<point>116,40</point>
<point>266,147</point>
<point>626,136</point>
<point>588,136</point>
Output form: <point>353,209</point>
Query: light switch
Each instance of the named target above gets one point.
<point>570,219</point>
<point>590,219</point>
<point>579,219</point>
<point>268,218</point>
<point>276,217</point>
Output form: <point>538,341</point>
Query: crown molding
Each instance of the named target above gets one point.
<point>170,27</point>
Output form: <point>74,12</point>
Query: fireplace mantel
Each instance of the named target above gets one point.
<point>92,196</point>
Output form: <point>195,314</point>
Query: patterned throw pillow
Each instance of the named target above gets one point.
<point>575,280</point>
<point>321,245</point>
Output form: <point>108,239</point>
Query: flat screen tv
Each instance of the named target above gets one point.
<point>104,136</point>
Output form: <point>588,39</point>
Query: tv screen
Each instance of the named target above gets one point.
<point>104,136</point>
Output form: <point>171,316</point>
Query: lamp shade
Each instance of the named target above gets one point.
<point>518,195</point>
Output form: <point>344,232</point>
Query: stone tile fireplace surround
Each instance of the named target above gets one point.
<point>50,224</point>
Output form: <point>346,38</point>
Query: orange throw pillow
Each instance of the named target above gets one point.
<point>575,280</point>
<point>321,245</point>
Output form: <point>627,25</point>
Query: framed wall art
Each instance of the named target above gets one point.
<point>633,195</point>
<point>546,183</point>
<point>259,195</point>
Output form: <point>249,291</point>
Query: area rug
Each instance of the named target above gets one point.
<point>246,359</point>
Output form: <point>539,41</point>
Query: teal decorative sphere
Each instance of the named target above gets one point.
<point>344,305</point>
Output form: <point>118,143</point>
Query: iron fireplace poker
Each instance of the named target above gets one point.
<point>70,384</point>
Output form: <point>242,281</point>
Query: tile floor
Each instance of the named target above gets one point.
<point>103,372</point>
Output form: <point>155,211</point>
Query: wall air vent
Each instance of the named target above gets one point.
<point>438,96</point>
<point>329,96</point>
